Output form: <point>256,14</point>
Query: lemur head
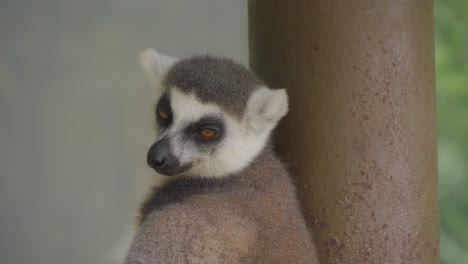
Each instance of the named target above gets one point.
<point>213,115</point>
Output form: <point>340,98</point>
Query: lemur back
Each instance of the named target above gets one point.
<point>231,199</point>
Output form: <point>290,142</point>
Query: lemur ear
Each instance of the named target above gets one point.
<point>266,107</point>
<point>156,65</point>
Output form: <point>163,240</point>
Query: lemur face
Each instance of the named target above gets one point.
<point>190,134</point>
<point>212,116</point>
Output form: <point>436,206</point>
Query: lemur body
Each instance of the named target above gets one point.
<point>231,199</point>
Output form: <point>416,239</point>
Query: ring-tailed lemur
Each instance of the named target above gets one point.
<point>231,199</point>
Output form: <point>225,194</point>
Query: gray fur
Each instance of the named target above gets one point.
<point>246,210</point>
<point>214,80</point>
<point>250,217</point>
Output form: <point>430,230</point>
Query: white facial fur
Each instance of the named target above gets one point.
<point>243,139</point>
<point>238,147</point>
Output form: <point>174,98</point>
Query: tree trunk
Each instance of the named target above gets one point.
<point>360,136</point>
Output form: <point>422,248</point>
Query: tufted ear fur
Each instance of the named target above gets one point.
<point>265,108</point>
<point>155,65</point>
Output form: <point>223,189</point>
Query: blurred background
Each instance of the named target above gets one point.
<point>451,24</point>
<point>76,116</point>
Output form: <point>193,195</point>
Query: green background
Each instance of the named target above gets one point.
<point>451,23</point>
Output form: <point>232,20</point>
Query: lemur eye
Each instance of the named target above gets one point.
<point>162,114</point>
<point>207,130</point>
<point>207,133</point>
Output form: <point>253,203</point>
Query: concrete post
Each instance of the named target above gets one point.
<point>360,136</point>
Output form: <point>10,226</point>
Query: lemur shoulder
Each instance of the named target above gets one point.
<point>230,199</point>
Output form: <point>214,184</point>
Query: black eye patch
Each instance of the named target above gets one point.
<point>163,111</point>
<point>213,125</point>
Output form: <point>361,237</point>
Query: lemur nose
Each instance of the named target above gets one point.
<point>163,161</point>
<point>159,161</point>
<point>157,154</point>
